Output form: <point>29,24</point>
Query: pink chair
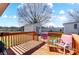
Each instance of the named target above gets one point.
<point>66,42</point>
<point>67,39</point>
<point>44,36</point>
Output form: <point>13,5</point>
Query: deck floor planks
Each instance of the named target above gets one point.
<point>44,50</point>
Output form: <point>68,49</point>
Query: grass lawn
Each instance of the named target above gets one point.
<point>53,37</point>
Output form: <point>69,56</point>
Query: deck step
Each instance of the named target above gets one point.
<point>25,47</point>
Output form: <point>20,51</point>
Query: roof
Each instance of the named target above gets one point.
<point>71,22</point>
<point>3,6</point>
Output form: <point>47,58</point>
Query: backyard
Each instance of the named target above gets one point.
<point>38,33</point>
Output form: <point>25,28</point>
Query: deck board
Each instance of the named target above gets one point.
<point>44,50</point>
<point>26,48</point>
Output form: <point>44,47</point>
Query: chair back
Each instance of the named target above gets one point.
<point>44,35</point>
<point>67,39</point>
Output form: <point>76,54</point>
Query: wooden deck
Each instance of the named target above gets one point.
<point>26,48</point>
<point>44,50</point>
<point>14,39</point>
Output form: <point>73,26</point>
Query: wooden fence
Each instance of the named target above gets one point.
<point>12,39</point>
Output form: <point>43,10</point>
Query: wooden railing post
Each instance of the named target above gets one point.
<point>1,36</point>
<point>37,36</point>
<point>33,35</point>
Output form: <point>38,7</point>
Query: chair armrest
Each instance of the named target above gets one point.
<point>59,44</point>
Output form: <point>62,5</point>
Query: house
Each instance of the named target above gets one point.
<point>21,29</point>
<point>35,28</point>
<point>71,27</point>
<point>45,29</point>
<point>57,29</point>
<point>38,28</point>
<point>30,28</point>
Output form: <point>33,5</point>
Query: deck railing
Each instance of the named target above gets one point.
<point>12,39</point>
<point>54,33</point>
<point>16,38</point>
<point>75,43</point>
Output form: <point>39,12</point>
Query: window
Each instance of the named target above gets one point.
<point>75,26</point>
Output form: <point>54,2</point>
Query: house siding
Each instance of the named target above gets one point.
<point>69,28</point>
<point>30,28</point>
<point>35,28</point>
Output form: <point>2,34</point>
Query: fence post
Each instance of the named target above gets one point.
<point>37,36</point>
<point>33,35</point>
<point>1,37</point>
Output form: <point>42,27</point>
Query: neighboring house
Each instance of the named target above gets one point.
<point>71,27</point>
<point>30,28</point>
<point>57,29</point>
<point>45,29</point>
<point>35,28</point>
<point>21,29</point>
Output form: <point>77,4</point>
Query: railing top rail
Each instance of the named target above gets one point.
<point>31,33</point>
<point>16,33</point>
<point>55,33</point>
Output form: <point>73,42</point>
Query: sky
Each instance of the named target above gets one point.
<point>9,17</point>
<point>59,14</point>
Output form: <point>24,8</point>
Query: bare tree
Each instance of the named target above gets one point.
<point>74,15</point>
<point>32,13</point>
